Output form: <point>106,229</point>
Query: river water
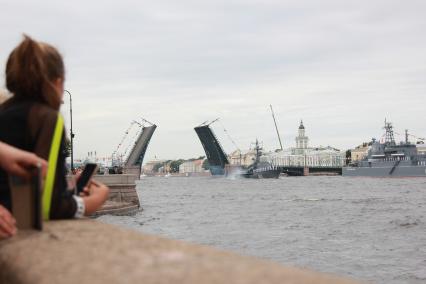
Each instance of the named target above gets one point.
<point>371,229</point>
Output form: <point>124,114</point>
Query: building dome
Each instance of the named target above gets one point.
<point>301,125</point>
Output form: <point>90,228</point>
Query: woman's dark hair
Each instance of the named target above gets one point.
<point>31,69</point>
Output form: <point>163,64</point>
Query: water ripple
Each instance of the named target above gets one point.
<point>369,229</point>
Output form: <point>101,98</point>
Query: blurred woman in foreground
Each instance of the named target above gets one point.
<point>30,120</point>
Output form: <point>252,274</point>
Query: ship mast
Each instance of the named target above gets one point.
<point>276,127</point>
<point>389,139</point>
<point>258,152</point>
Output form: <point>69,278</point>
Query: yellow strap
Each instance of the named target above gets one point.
<point>51,169</point>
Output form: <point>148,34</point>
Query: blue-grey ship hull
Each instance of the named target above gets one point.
<point>386,171</point>
<point>271,173</point>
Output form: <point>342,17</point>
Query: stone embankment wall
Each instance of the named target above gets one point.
<point>123,198</point>
<point>87,251</point>
<point>122,187</point>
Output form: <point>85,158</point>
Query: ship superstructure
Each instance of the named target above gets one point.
<point>218,160</point>
<point>261,169</point>
<point>389,159</point>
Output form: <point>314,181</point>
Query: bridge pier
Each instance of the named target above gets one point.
<point>305,171</point>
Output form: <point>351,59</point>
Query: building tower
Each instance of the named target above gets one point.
<point>301,140</point>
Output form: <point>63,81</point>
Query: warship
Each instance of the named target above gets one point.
<point>389,159</point>
<point>218,160</point>
<point>261,169</point>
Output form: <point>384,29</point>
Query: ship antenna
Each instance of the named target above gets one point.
<point>276,127</point>
<point>389,133</point>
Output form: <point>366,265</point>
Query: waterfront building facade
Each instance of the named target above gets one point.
<point>194,166</point>
<point>152,167</point>
<point>359,152</point>
<point>304,156</point>
<point>165,168</point>
<point>242,158</point>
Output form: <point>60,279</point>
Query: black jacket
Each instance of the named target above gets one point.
<point>29,126</point>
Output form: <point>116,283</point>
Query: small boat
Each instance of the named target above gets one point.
<point>218,160</point>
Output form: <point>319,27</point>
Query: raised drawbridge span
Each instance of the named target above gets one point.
<point>134,153</point>
<point>214,152</point>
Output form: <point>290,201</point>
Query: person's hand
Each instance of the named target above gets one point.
<point>85,192</point>
<point>97,188</point>
<point>7,224</point>
<point>94,196</point>
<point>15,161</point>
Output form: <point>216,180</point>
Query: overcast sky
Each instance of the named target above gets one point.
<point>341,66</point>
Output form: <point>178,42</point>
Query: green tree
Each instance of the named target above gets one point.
<point>156,167</point>
<point>206,165</point>
<point>174,165</point>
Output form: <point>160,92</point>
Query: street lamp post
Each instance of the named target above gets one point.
<point>71,132</point>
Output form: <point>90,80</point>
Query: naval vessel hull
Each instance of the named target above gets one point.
<point>273,173</point>
<point>386,171</point>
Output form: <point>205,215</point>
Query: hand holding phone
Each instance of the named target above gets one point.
<point>88,172</point>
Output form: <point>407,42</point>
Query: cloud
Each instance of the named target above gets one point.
<point>341,66</point>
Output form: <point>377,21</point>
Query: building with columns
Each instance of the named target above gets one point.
<point>242,158</point>
<point>304,156</point>
<point>192,166</point>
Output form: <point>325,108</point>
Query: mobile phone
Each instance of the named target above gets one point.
<point>88,172</point>
<point>26,200</point>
